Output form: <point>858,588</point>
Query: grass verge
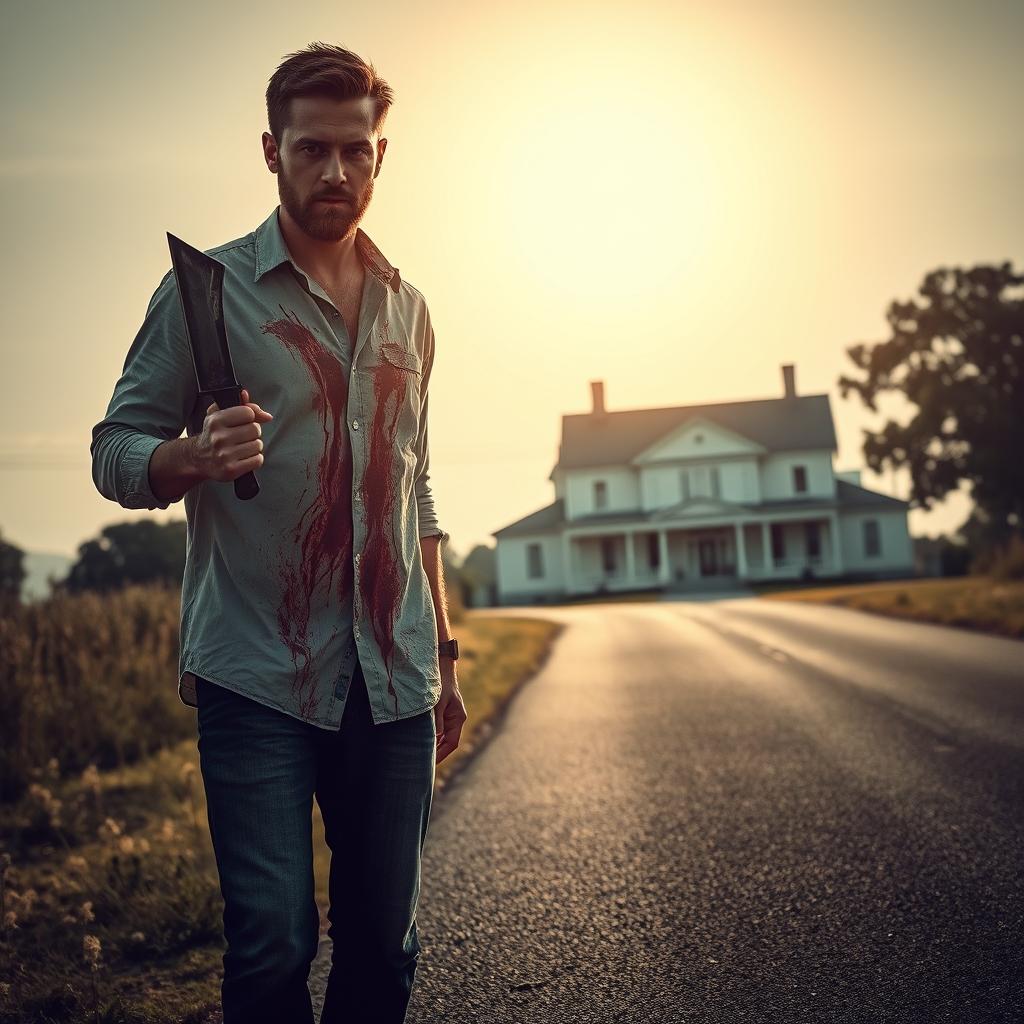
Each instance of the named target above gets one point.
<point>110,908</point>
<point>970,602</point>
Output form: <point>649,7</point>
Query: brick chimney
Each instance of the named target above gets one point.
<point>597,396</point>
<point>789,379</point>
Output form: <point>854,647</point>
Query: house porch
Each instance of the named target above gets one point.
<point>704,556</point>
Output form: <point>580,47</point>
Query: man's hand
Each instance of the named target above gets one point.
<point>449,711</point>
<point>231,443</point>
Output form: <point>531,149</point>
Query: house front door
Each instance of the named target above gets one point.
<point>708,552</point>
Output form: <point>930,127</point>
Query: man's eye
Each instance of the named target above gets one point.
<point>310,146</point>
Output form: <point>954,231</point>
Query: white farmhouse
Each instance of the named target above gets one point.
<point>700,497</point>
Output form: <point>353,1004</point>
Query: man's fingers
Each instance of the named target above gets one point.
<point>449,741</point>
<point>236,415</point>
<point>443,751</point>
<point>258,412</point>
<point>252,405</point>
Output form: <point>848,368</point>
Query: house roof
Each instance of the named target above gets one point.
<point>853,494</point>
<point>612,438</point>
<point>551,518</point>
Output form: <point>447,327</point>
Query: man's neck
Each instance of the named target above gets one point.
<point>326,261</point>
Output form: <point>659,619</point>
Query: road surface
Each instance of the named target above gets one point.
<point>744,810</point>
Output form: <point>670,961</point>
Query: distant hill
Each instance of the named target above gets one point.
<point>38,566</point>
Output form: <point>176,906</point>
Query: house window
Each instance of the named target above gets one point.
<point>684,484</point>
<point>800,479</point>
<point>778,543</point>
<point>701,482</point>
<point>534,561</point>
<point>608,555</point>
<point>653,551</point>
<point>872,538</point>
<point>600,494</point>
<point>812,533</point>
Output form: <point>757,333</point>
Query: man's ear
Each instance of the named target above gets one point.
<point>382,144</point>
<point>270,153</point>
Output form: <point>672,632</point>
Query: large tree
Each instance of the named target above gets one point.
<point>143,551</point>
<point>957,354</point>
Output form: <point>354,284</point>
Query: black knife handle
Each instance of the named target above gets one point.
<point>246,485</point>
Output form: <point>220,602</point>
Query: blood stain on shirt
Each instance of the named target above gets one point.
<point>324,528</point>
<point>381,579</point>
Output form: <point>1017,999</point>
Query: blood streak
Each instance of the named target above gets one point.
<point>324,529</point>
<point>381,579</point>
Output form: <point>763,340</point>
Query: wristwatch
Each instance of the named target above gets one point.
<point>449,649</point>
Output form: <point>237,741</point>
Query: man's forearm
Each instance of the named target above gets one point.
<point>172,469</point>
<point>430,549</point>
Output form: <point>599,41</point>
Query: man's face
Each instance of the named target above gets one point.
<point>327,151</point>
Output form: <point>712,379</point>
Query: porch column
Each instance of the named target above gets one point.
<point>663,569</point>
<point>837,549</point>
<point>630,559</point>
<point>570,581</point>
<point>766,546</point>
<point>741,553</point>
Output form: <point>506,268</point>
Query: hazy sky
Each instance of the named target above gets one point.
<point>674,198</point>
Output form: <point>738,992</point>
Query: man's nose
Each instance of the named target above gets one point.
<point>334,172</point>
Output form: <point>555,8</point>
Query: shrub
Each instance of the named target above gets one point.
<point>1008,563</point>
<point>88,679</point>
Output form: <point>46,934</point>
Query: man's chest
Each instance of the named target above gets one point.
<point>347,297</point>
<point>289,349</point>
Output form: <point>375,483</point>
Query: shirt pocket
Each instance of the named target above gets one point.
<point>403,357</point>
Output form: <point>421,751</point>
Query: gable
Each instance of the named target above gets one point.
<point>617,438</point>
<point>698,438</point>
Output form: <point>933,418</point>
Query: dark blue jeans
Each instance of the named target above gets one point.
<point>261,769</point>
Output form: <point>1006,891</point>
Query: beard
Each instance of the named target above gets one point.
<point>321,221</point>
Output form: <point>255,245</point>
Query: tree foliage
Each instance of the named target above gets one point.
<point>137,552</point>
<point>957,354</point>
<point>12,571</point>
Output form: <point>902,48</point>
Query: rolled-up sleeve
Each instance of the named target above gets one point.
<point>426,510</point>
<point>151,404</point>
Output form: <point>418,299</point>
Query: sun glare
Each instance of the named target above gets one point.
<point>609,199</point>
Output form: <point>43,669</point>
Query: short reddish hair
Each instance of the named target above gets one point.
<point>324,70</point>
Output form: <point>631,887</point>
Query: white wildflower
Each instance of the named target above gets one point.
<point>91,950</point>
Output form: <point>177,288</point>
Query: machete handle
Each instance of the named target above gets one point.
<point>246,485</point>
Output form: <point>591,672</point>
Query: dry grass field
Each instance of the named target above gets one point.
<point>971,602</point>
<point>110,908</point>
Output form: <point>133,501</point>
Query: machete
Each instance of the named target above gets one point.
<point>200,281</point>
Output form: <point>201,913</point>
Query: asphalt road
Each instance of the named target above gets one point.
<point>737,811</point>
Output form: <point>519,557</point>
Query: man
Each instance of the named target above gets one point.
<point>315,639</point>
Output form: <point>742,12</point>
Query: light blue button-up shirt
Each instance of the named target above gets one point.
<point>283,593</point>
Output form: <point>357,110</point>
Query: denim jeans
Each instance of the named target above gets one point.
<point>261,769</point>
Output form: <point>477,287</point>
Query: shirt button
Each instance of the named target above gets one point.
<point>355,424</point>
